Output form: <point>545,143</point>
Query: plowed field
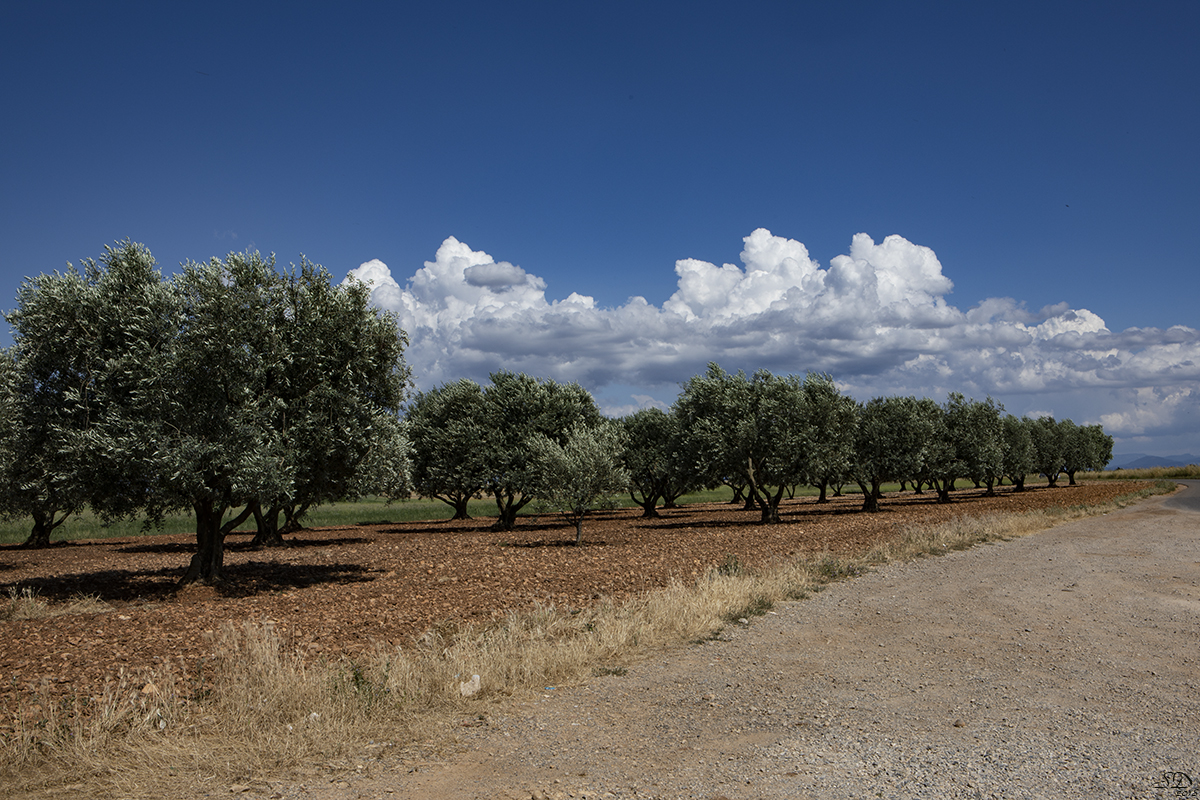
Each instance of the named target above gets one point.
<point>341,590</point>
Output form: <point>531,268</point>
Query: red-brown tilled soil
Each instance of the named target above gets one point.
<point>342,590</point>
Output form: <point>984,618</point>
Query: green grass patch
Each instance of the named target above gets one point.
<point>366,511</point>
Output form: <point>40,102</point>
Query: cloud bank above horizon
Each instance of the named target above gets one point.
<point>876,319</point>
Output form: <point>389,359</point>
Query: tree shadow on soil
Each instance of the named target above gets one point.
<point>289,541</point>
<point>158,585</point>
<point>481,526</point>
<point>752,519</point>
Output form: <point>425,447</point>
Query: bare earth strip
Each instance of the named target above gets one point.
<point>1065,664</point>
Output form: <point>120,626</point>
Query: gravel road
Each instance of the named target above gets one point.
<point>1064,665</point>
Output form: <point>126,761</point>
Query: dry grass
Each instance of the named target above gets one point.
<point>258,710</point>
<point>26,604</point>
<point>1149,474</point>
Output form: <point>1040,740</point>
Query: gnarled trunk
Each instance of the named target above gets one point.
<point>208,563</point>
<point>43,525</point>
<point>770,506</point>
<point>648,503</point>
<point>870,500</point>
<point>268,533</point>
<point>458,502</point>
<point>508,505</point>
<point>207,566</point>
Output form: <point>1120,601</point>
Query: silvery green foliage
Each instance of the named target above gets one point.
<point>892,443</point>
<point>1062,446</point>
<point>517,409</point>
<point>1020,456</point>
<point>652,458</point>
<point>229,385</point>
<point>91,345</point>
<point>833,418</point>
<point>977,430</point>
<point>940,464</point>
<point>1086,447</point>
<point>1049,448</point>
<point>966,441</point>
<point>582,473</point>
<point>339,389</point>
<point>448,427</point>
<point>285,387</point>
<point>746,431</point>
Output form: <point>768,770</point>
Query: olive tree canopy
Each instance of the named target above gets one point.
<point>518,409</point>
<point>91,347</point>
<point>448,428</point>
<point>229,386</point>
<point>749,431</point>
<point>652,458</point>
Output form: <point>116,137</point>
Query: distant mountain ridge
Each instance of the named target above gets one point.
<point>1143,461</point>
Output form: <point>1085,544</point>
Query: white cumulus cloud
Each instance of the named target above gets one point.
<point>876,318</point>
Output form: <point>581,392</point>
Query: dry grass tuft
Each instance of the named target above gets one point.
<point>260,709</point>
<point>25,604</point>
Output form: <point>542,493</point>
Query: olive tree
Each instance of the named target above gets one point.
<point>220,447</point>
<point>217,390</point>
<point>833,421</point>
<point>652,442</point>
<point>976,432</point>
<point>1049,448</point>
<point>581,474</point>
<point>1086,447</point>
<point>448,428</point>
<point>890,444</point>
<point>517,410</point>
<point>91,346</point>
<point>940,462</point>
<point>747,431</point>
<point>342,380</point>
<point>280,391</point>
<point>1019,454</point>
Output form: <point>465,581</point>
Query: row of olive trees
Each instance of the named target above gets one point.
<point>765,434</point>
<point>229,387</point>
<point>522,440</point>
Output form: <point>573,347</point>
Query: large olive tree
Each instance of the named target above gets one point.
<point>833,419</point>
<point>1019,456</point>
<point>891,443</point>
<point>1048,447</point>
<point>92,346</point>
<point>229,387</point>
<point>1085,447</point>
<point>281,388</point>
<point>342,380</point>
<point>748,431</point>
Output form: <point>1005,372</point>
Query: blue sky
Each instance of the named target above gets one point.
<point>582,154</point>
